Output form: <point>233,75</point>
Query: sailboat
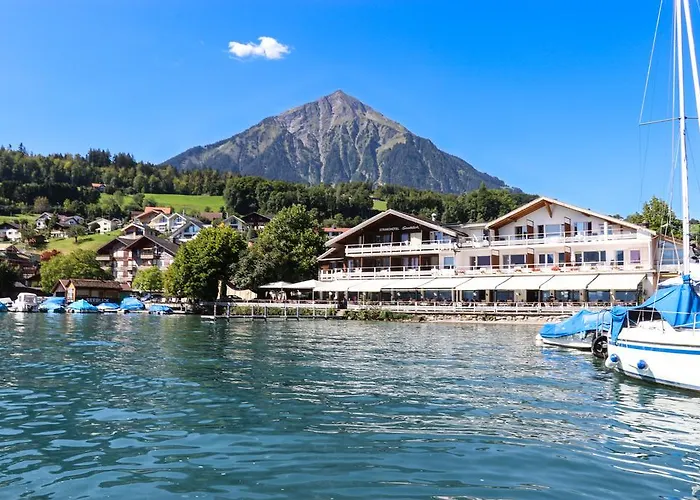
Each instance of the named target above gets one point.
<point>659,341</point>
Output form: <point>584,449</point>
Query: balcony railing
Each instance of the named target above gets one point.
<point>399,247</point>
<point>365,273</point>
<point>104,258</point>
<point>555,239</point>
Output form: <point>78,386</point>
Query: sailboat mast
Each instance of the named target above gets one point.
<point>678,5</point>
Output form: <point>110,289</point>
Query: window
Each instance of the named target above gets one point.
<point>504,295</point>
<point>448,262</point>
<point>553,230</point>
<point>517,260</point>
<point>598,296</point>
<point>519,230</point>
<point>546,258</point>
<point>601,228</point>
<point>405,236</point>
<point>619,257</point>
<point>562,258</point>
<point>410,262</point>
<point>483,261</point>
<point>626,295</point>
<point>636,256</point>
<point>583,227</point>
<point>671,256</point>
<point>578,258</point>
<point>594,256</point>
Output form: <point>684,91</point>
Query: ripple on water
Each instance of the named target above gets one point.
<point>144,407</point>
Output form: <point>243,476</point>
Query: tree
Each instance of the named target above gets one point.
<point>9,274</point>
<point>41,205</point>
<point>203,266</point>
<point>659,217</point>
<point>75,231</point>
<point>148,280</point>
<point>78,264</point>
<point>286,249</point>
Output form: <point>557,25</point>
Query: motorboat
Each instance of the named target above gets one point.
<point>659,341</point>
<point>26,302</point>
<point>586,330</point>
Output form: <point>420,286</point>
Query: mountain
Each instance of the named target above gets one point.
<point>337,139</point>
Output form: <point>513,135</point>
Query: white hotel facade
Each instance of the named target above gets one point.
<point>546,250</point>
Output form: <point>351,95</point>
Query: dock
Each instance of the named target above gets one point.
<point>226,311</point>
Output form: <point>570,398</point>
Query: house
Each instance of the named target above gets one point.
<point>123,257</point>
<point>149,213</point>
<point>236,223</point>
<point>102,225</point>
<point>166,224</point>
<point>187,231</point>
<point>136,229</point>
<point>543,250</point>
<point>64,221</point>
<point>98,186</point>
<point>332,232</point>
<point>10,231</point>
<point>256,221</point>
<point>42,220</point>
<point>28,263</point>
<point>94,291</point>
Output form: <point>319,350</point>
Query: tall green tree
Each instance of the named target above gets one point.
<point>659,216</point>
<point>41,205</point>
<point>202,267</point>
<point>78,264</point>
<point>286,249</point>
<point>9,274</point>
<point>148,280</point>
<point>75,231</point>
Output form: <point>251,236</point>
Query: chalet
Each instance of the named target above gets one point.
<point>256,221</point>
<point>136,229</point>
<point>167,224</point>
<point>94,291</point>
<point>149,213</point>
<point>62,221</point>
<point>10,231</point>
<point>28,263</point>
<point>123,257</point>
<point>102,225</point>
<point>188,231</point>
<point>236,223</point>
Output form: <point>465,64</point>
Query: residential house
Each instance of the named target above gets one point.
<point>123,257</point>
<point>256,221</point>
<point>136,229</point>
<point>62,221</point>
<point>236,223</point>
<point>166,224</point>
<point>210,217</point>
<point>9,231</point>
<point>332,232</point>
<point>544,250</point>
<point>98,186</point>
<point>94,291</point>
<point>103,226</point>
<point>149,213</point>
<point>188,231</point>
<point>28,263</point>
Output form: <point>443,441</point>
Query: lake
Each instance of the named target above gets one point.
<point>135,406</point>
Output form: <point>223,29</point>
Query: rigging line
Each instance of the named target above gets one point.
<point>651,58</point>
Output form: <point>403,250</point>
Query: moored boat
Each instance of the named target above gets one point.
<point>586,330</point>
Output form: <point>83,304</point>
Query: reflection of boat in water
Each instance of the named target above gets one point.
<point>585,330</point>
<point>659,341</point>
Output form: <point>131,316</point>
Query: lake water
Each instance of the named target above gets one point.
<point>170,407</point>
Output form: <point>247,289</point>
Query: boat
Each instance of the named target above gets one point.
<point>159,309</point>
<point>130,304</point>
<point>3,308</point>
<point>53,305</point>
<point>81,306</point>
<point>108,307</point>
<point>659,341</point>
<point>586,330</point>
<point>26,302</point>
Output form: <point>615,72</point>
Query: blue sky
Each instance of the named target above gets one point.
<point>545,95</point>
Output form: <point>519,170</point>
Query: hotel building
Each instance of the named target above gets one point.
<point>545,250</point>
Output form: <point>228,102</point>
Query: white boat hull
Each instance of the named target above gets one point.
<point>577,341</point>
<point>656,352</point>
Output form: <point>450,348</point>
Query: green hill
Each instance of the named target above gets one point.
<point>186,202</point>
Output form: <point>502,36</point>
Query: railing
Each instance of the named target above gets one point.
<point>399,247</point>
<point>104,258</point>
<point>544,308</point>
<point>556,239</point>
<point>470,271</point>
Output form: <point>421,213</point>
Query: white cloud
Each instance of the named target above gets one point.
<point>269,48</point>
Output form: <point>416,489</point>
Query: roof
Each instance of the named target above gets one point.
<point>380,216</point>
<point>166,245</point>
<point>8,224</point>
<point>190,222</point>
<point>123,241</point>
<point>232,217</point>
<point>87,283</point>
<point>253,215</point>
<point>165,210</point>
<point>544,201</point>
<point>210,216</point>
<point>335,229</point>
<point>97,184</point>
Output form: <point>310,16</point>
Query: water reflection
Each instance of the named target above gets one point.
<point>161,407</point>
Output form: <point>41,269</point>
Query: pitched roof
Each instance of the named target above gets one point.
<point>166,245</point>
<point>412,218</point>
<point>210,216</point>
<point>165,210</point>
<point>335,229</point>
<point>88,283</point>
<point>544,201</point>
<point>190,222</point>
<point>118,240</point>
<point>232,217</point>
<point>8,224</point>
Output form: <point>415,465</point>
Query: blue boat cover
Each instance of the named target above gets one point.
<point>108,306</point>
<point>160,308</point>
<point>582,321</point>
<point>53,304</point>
<point>679,305</point>
<point>82,305</point>
<point>3,307</point>
<point>132,304</point>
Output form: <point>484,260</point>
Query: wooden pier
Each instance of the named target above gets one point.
<point>227,311</point>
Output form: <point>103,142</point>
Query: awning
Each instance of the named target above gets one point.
<point>277,285</point>
<point>334,286</point>
<point>616,282</point>
<point>302,285</point>
<point>407,284</point>
<point>568,282</point>
<point>482,283</point>
<point>368,286</point>
<point>529,282</point>
<point>444,283</point>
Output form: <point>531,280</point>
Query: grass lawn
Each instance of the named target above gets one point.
<point>379,205</point>
<point>187,202</point>
<point>88,242</point>
<point>12,218</point>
